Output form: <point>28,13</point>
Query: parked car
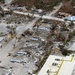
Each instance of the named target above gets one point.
<point>21,53</point>
<point>14,60</point>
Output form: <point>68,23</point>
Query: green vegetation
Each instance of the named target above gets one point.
<point>43,4</point>
<point>66,52</point>
<point>2,1</point>
<point>40,4</point>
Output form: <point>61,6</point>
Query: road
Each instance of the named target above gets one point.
<point>22,29</point>
<point>37,15</point>
<point>9,48</point>
<point>5,49</point>
<point>56,9</point>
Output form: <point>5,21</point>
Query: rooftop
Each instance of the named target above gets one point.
<point>55,65</point>
<point>71,18</point>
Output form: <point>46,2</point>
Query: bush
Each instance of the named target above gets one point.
<point>65,52</point>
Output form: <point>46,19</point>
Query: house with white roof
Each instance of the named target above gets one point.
<point>71,18</point>
<point>58,65</point>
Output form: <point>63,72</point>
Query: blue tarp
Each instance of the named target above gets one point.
<point>71,18</point>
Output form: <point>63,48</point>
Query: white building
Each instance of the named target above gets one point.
<point>71,18</point>
<point>58,65</point>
